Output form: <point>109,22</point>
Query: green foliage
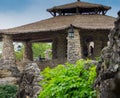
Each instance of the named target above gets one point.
<point>40,48</point>
<point>68,81</point>
<point>8,91</point>
<point>19,54</point>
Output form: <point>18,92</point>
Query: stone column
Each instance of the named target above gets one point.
<point>61,50</point>
<point>8,55</point>
<point>8,69</point>
<point>28,53</point>
<point>104,43</point>
<point>74,48</point>
<point>97,48</point>
<point>54,49</point>
<point>59,47</point>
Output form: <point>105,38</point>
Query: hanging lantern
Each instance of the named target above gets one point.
<point>71,32</point>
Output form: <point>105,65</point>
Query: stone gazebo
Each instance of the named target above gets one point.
<point>71,29</point>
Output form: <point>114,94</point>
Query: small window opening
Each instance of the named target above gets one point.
<point>91,48</point>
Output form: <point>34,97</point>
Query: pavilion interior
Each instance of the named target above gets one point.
<point>59,43</point>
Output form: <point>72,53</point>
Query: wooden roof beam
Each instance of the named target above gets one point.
<point>53,13</point>
<point>42,40</point>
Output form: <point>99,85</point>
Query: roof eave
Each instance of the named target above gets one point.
<point>56,9</point>
<point>54,30</point>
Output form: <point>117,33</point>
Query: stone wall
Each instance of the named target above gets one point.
<point>59,46</point>
<point>62,44</point>
<point>99,37</point>
<point>54,48</point>
<point>98,47</point>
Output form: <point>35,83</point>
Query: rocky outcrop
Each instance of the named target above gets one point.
<point>8,74</point>
<point>28,83</point>
<point>108,68</point>
<point>8,80</point>
<point>27,78</point>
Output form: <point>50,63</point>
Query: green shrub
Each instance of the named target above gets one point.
<point>68,81</point>
<point>8,91</point>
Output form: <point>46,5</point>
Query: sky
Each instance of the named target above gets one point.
<point>20,12</point>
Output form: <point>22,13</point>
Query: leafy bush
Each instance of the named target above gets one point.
<point>68,81</point>
<point>8,91</point>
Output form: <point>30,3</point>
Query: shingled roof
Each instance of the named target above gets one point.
<point>63,22</point>
<point>79,4</point>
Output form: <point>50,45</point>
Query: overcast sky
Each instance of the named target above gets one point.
<point>19,12</point>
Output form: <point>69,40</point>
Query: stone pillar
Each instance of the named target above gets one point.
<point>97,48</point>
<point>28,82</point>
<point>54,49</point>
<point>8,55</point>
<point>74,48</point>
<point>8,69</point>
<point>61,50</point>
<point>28,53</point>
<point>104,43</point>
<point>59,47</point>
